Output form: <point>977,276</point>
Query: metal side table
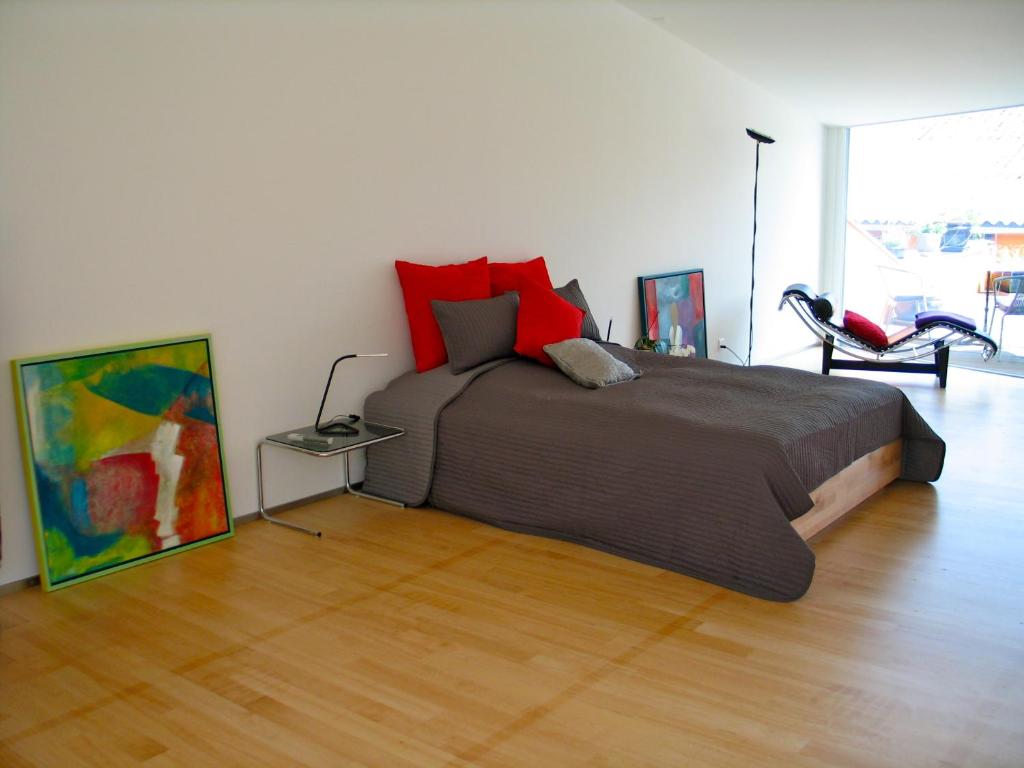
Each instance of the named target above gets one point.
<point>306,440</point>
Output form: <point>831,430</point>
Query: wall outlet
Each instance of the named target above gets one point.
<point>721,342</point>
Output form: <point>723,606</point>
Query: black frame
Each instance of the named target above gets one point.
<point>641,283</point>
<point>940,367</point>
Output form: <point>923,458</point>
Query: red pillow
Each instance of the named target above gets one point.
<point>507,276</point>
<point>420,285</point>
<point>864,329</point>
<point>544,318</point>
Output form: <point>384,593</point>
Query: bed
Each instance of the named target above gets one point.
<point>704,468</point>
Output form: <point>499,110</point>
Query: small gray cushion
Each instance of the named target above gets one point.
<point>571,292</point>
<point>477,330</point>
<point>586,363</point>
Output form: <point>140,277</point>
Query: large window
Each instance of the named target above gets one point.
<point>936,216</point>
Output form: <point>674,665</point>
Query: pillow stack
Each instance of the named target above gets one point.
<point>467,314</point>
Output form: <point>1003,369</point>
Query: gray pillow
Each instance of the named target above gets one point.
<point>586,363</point>
<point>477,330</point>
<point>571,292</point>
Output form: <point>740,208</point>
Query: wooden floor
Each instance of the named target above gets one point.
<point>417,638</point>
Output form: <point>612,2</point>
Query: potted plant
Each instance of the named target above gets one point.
<point>647,344</point>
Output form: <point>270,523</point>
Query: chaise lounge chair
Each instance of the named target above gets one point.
<point>932,334</point>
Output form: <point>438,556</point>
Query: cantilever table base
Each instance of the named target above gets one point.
<point>305,440</point>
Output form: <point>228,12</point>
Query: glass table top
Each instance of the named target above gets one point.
<point>307,439</point>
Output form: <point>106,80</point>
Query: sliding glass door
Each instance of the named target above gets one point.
<point>936,221</point>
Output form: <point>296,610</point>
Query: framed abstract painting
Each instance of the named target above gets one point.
<point>122,452</point>
<point>672,312</point>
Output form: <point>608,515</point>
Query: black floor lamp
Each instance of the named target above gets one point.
<point>760,138</point>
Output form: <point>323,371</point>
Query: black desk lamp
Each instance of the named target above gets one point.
<point>338,425</point>
<point>760,138</point>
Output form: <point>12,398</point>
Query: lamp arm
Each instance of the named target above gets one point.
<point>330,377</point>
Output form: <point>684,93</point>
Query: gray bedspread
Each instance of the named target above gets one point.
<point>696,466</point>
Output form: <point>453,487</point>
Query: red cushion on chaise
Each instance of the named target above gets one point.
<point>864,329</point>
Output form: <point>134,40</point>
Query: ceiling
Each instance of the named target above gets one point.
<point>852,62</point>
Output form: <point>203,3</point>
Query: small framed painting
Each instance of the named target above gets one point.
<point>122,453</point>
<point>672,312</point>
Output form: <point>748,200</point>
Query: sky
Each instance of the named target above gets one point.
<point>967,167</point>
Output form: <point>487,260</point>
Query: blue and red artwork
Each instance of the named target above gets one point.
<point>672,312</point>
<point>122,453</point>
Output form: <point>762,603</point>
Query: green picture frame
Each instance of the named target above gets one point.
<point>123,455</point>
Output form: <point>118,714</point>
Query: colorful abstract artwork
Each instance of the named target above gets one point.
<point>122,456</point>
<point>672,312</point>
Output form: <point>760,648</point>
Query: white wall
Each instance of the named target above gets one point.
<point>253,169</point>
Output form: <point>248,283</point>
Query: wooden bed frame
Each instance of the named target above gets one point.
<point>841,494</point>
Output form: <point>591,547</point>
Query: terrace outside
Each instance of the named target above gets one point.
<point>936,219</point>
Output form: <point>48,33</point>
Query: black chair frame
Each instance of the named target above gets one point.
<point>932,340</point>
